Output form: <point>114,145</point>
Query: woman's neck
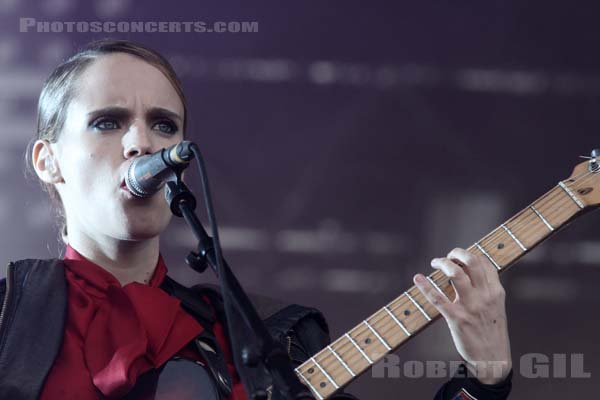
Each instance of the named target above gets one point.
<point>128,261</point>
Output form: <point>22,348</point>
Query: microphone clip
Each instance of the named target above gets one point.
<point>176,192</point>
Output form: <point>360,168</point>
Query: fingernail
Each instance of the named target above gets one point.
<point>419,278</point>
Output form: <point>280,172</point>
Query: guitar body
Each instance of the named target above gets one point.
<point>177,379</point>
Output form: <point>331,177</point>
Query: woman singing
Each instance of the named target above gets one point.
<point>106,322</point>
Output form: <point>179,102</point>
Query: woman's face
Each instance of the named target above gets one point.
<point>122,108</point>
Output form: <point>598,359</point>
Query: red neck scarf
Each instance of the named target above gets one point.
<point>134,328</point>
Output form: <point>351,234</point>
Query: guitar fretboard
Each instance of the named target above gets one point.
<point>384,331</point>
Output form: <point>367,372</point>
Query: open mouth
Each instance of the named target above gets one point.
<point>124,186</point>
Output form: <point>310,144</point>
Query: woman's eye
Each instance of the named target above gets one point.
<point>105,124</point>
<point>166,127</point>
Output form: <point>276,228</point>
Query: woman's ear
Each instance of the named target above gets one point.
<point>45,164</point>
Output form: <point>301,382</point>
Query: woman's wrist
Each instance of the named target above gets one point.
<point>491,372</point>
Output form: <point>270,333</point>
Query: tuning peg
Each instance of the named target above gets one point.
<point>593,167</point>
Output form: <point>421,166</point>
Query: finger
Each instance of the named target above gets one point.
<point>458,277</point>
<point>437,299</point>
<point>491,272</point>
<point>473,265</point>
<point>492,277</point>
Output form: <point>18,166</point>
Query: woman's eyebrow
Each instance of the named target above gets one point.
<point>118,112</point>
<point>122,112</point>
<point>159,112</point>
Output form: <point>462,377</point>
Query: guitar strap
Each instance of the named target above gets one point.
<point>205,342</point>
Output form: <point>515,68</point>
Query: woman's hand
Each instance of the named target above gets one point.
<point>477,317</point>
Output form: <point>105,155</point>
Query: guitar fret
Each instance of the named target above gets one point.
<point>437,287</point>
<point>571,194</point>
<point>359,349</point>
<point>539,214</point>
<point>418,306</point>
<point>512,235</point>
<point>309,384</point>
<point>485,253</point>
<point>325,373</point>
<point>397,321</point>
<point>387,346</point>
<point>341,361</point>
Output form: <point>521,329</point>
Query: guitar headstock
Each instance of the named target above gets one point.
<point>584,182</point>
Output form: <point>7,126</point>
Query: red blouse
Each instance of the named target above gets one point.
<point>115,333</point>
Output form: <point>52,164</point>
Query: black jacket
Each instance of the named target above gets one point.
<point>34,309</point>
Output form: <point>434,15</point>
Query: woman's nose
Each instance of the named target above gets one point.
<point>136,142</point>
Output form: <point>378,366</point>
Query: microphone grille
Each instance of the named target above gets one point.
<point>132,183</point>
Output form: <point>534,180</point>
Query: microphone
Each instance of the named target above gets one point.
<point>147,174</point>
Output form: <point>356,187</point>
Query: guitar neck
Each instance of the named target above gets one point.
<point>387,329</point>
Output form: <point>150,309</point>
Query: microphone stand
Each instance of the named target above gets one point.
<point>273,356</point>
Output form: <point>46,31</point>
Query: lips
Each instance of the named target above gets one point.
<point>124,186</point>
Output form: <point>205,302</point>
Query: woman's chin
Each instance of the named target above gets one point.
<point>139,232</point>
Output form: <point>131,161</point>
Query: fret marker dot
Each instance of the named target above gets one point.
<point>322,384</point>
<point>407,312</point>
<point>311,370</point>
<point>500,246</point>
<point>368,340</point>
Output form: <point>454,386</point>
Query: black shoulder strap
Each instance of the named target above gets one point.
<point>283,321</point>
<point>192,302</point>
<point>32,328</point>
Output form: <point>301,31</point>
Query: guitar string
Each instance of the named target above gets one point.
<point>390,331</point>
<point>395,304</point>
<point>342,352</point>
<point>441,280</point>
<point>550,195</point>
<point>373,320</point>
<point>334,368</point>
<point>356,356</point>
<point>523,222</point>
<point>547,197</point>
<point>381,330</point>
<point>409,322</point>
<point>438,277</point>
<point>522,229</point>
<point>372,323</point>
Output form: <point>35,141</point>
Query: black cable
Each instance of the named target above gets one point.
<point>272,355</point>
<point>229,309</point>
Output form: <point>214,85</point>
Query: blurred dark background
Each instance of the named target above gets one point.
<point>349,142</point>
